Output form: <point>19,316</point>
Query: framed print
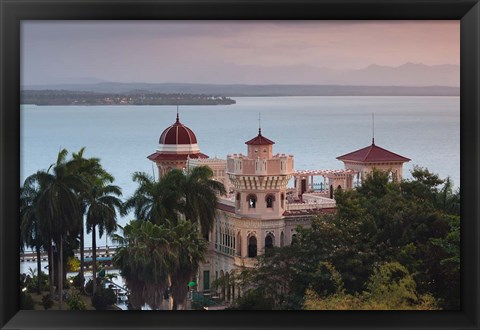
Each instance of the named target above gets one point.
<point>317,164</point>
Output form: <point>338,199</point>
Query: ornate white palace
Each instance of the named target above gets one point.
<point>259,210</point>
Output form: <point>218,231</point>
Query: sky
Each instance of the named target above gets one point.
<point>226,51</point>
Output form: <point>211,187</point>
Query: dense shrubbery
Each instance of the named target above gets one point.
<point>254,300</point>
<point>390,287</point>
<point>103,299</point>
<point>30,281</point>
<point>78,281</point>
<point>47,301</point>
<point>73,264</point>
<point>89,287</point>
<point>26,301</point>
<point>74,302</point>
<point>401,236</point>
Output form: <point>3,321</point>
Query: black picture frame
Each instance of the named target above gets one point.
<point>13,11</point>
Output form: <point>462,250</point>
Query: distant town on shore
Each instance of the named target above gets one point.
<point>66,97</point>
<point>114,93</point>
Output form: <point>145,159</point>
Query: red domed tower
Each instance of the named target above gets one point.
<point>177,143</point>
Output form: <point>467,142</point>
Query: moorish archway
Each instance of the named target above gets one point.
<point>252,247</point>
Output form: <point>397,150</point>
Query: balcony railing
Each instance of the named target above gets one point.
<point>246,262</point>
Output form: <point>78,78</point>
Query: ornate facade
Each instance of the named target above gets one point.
<point>260,209</point>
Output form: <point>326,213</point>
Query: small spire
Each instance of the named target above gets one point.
<point>259,125</point>
<point>178,119</point>
<point>373,128</point>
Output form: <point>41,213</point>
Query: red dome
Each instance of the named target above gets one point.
<point>178,134</point>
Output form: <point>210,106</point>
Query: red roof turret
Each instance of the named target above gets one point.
<point>373,154</point>
<point>259,139</point>
<point>178,134</point>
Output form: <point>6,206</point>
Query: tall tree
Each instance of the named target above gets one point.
<point>145,259</point>
<point>447,200</point>
<point>29,210</point>
<point>201,193</point>
<point>91,171</point>
<point>155,201</point>
<point>193,195</point>
<point>30,225</point>
<point>58,206</point>
<point>102,204</point>
<point>190,250</point>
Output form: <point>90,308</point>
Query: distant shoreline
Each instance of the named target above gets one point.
<point>87,98</point>
<point>239,90</point>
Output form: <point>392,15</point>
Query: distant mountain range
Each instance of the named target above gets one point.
<point>409,74</point>
<point>302,80</point>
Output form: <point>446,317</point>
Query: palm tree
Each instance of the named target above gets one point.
<point>201,193</point>
<point>33,189</point>
<point>101,209</point>
<point>30,226</point>
<point>190,251</point>
<point>447,200</point>
<point>145,259</point>
<point>125,260</point>
<point>155,201</point>
<point>58,205</point>
<point>91,170</point>
<point>194,195</point>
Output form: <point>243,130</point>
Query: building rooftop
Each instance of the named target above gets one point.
<point>259,139</point>
<point>177,134</point>
<point>373,154</point>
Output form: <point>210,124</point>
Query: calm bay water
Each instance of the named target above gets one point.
<point>315,130</point>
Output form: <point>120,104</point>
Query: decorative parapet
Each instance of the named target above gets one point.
<point>327,203</point>
<point>246,262</point>
<point>253,182</point>
<point>279,164</point>
<point>227,200</point>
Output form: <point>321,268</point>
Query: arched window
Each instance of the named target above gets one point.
<point>238,201</point>
<point>294,239</point>
<point>269,200</point>
<point>282,239</point>
<point>252,201</point>
<point>239,244</point>
<point>252,247</point>
<point>282,199</point>
<point>269,241</point>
